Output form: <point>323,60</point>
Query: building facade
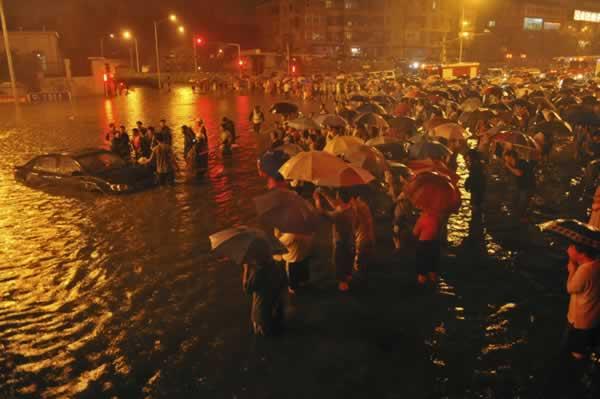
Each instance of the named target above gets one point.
<point>44,45</point>
<point>372,29</point>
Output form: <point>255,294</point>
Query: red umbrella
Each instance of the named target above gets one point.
<point>433,192</point>
<point>428,165</point>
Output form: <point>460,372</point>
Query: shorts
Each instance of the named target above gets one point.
<point>428,256</point>
<point>581,341</point>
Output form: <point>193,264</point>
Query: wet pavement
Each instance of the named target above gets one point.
<point>118,296</point>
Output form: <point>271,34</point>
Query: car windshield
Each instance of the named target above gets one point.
<point>100,162</point>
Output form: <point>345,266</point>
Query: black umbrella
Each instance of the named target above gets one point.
<point>402,124</point>
<point>371,120</point>
<point>359,98</point>
<point>348,114</point>
<point>393,151</point>
<point>565,101</point>
<point>499,107</point>
<point>382,99</point>
<point>237,243</point>
<point>580,115</point>
<point>371,107</point>
<point>287,211</point>
<point>589,100</point>
<point>270,162</point>
<point>574,231</point>
<point>471,119</point>
<point>284,108</point>
<point>553,128</point>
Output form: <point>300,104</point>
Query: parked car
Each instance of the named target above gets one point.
<point>89,169</point>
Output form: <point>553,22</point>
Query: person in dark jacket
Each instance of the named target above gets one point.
<point>475,183</point>
<point>265,283</point>
<point>120,144</point>
<point>188,139</point>
<point>227,124</point>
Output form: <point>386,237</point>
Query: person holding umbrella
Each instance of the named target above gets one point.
<point>342,219</point>
<point>525,182</point>
<point>582,332</point>
<point>262,280</point>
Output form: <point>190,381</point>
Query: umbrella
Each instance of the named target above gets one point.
<point>575,231</point>
<point>383,140</point>
<point>493,91</point>
<point>331,120</point>
<point>471,104</point>
<point>324,169</point>
<point>393,151</point>
<point>284,108</point>
<point>580,115</point>
<point>553,128</point>
<point>565,101</point>
<point>348,114</point>
<point>402,109</point>
<point>290,149</point>
<point>435,122</point>
<point>342,144</point>
<point>424,149</point>
<point>523,144</point>
<point>237,242</point>
<point>543,102</point>
<point>303,123</point>
<point>371,107</point>
<point>371,120</point>
<point>499,107</point>
<point>450,132</point>
<point>589,100</point>
<point>428,165</point>
<point>402,124</point>
<point>470,119</point>
<point>400,169</point>
<point>287,211</point>
<point>270,162</point>
<point>383,99</point>
<point>359,98</point>
<point>368,158</point>
<point>433,192</point>
<point>415,93</point>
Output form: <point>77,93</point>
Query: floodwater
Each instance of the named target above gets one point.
<point>118,296</point>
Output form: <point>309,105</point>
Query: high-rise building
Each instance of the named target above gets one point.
<point>358,28</point>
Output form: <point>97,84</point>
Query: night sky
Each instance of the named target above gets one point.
<point>81,23</point>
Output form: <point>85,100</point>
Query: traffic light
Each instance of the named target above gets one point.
<point>241,62</point>
<point>199,41</point>
<point>294,68</point>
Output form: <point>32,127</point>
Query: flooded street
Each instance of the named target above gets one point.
<point>118,296</point>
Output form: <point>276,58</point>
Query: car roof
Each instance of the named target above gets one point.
<point>82,152</point>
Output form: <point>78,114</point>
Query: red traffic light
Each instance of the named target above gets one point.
<point>293,68</point>
<point>241,62</point>
<point>199,41</point>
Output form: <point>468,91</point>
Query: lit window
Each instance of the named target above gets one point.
<point>533,23</point>
<point>491,24</point>
<point>587,16</point>
<point>551,25</point>
<point>355,51</point>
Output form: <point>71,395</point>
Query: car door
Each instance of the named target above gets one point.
<point>43,171</point>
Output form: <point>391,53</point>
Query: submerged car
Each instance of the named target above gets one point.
<point>89,169</point>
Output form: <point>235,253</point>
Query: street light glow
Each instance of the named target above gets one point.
<point>173,17</point>
<point>126,35</point>
<point>112,35</point>
<point>181,29</point>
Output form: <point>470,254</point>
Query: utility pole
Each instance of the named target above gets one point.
<point>156,49</point>
<point>11,70</point>
<point>460,33</point>
<point>289,57</point>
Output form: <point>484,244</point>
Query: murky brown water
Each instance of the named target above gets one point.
<point>117,296</point>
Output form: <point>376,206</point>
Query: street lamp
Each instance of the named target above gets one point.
<point>172,18</point>
<point>110,36</point>
<point>128,36</point>
<point>11,70</point>
<point>181,29</point>
<point>239,51</point>
<point>196,41</point>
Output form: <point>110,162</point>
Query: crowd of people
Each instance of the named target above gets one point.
<point>416,126</point>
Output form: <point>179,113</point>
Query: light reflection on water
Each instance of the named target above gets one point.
<point>103,295</point>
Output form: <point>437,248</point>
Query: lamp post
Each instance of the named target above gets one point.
<point>461,33</point>
<point>128,36</point>
<point>111,36</point>
<point>239,51</point>
<point>11,70</point>
<point>172,18</point>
